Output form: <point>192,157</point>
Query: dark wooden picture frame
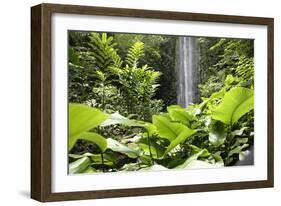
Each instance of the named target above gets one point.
<point>41,101</point>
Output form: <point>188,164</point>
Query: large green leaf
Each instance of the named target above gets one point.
<point>216,95</point>
<point>237,150</point>
<point>150,128</point>
<point>117,118</point>
<point>176,133</point>
<point>179,114</point>
<point>235,103</point>
<point>79,166</point>
<point>118,147</point>
<point>108,159</point>
<point>166,128</point>
<point>87,154</point>
<point>81,119</point>
<point>191,159</point>
<point>96,138</point>
<point>217,135</point>
<point>186,132</point>
<point>239,132</point>
<point>89,170</point>
<point>199,164</point>
<point>147,150</point>
<point>130,167</point>
<point>154,167</point>
<point>193,162</point>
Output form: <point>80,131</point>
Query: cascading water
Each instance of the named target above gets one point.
<point>187,71</point>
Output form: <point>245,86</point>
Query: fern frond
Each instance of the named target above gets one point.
<point>103,51</point>
<point>135,52</point>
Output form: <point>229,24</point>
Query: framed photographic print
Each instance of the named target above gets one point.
<point>132,102</point>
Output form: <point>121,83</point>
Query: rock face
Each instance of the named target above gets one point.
<point>187,57</point>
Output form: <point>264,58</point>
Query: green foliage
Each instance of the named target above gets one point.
<point>245,71</point>
<point>135,52</point>
<point>159,53</point>
<point>96,138</point>
<point>224,57</point>
<point>108,83</point>
<point>118,147</point>
<point>234,105</point>
<point>103,51</point>
<point>213,84</point>
<point>116,118</point>
<point>124,81</point>
<point>80,166</point>
<point>80,76</point>
<point>167,129</point>
<point>139,85</point>
<point>81,119</point>
<point>181,115</point>
<point>185,133</point>
<point>169,136</point>
<point>217,135</point>
<point>193,163</point>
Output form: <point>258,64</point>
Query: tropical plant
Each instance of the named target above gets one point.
<point>180,138</point>
<point>104,52</point>
<point>139,85</point>
<point>135,52</point>
<point>122,82</point>
<point>81,120</point>
<point>223,57</point>
<point>110,86</point>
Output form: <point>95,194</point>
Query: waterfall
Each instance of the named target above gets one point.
<point>187,71</point>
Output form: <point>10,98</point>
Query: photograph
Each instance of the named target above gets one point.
<point>149,102</point>
<point>133,102</point>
